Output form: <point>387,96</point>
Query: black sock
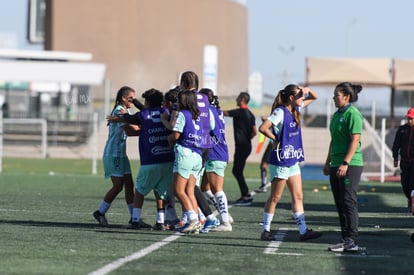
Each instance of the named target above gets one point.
<point>263,173</point>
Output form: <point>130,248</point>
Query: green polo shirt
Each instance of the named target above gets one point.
<point>343,125</point>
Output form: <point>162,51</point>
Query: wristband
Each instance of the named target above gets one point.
<point>345,163</point>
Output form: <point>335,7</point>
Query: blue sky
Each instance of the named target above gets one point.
<point>283,33</point>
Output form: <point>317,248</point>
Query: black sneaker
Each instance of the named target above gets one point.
<point>139,225</point>
<point>351,247</point>
<point>310,234</point>
<point>134,225</point>
<point>144,225</point>
<point>266,236</point>
<point>159,226</point>
<point>100,218</point>
<point>244,201</point>
<point>345,246</point>
<point>339,247</point>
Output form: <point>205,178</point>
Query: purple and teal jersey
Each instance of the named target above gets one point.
<point>204,121</point>
<point>219,151</point>
<point>289,148</point>
<point>153,137</point>
<point>189,129</point>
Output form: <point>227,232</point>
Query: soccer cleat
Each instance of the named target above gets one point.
<point>170,225</point>
<point>192,228</point>
<point>244,201</point>
<point>231,220</point>
<point>173,225</point>
<point>261,189</point>
<point>139,225</point>
<point>180,226</point>
<point>266,236</point>
<point>144,225</point>
<point>172,222</point>
<point>225,227</point>
<point>134,225</point>
<point>310,234</point>
<point>100,218</point>
<point>210,224</point>
<point>159,227</point>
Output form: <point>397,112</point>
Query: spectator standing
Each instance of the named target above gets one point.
<point>344,163</point>
<point>244,127</point>
<point>403,151</point>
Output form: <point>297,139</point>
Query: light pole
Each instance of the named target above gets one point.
<point>348,29</point>
<point>286,51</point>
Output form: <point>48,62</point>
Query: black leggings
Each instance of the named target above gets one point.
<point>241,154</point>
<point>202,201</point>
<point>407,177</point>
<point>344,190</point>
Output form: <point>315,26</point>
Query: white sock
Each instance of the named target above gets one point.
<point>191,215</point>
<point>210,196</point>
<point>222,206</point>
<point>300,221</point>
<point>267,220</point>
<point>184,218</point>
<point>211,217</point>
<point>103,207</point>
<point>136,214</point>
<point>160,215</point>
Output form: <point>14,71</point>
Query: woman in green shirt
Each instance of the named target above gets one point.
<point>344,163</point>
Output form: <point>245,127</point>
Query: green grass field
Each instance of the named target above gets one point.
<point>46,227</point>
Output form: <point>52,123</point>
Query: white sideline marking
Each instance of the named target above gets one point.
<point>139,254</point>
<point>135,256</point>
<point>273,246</point>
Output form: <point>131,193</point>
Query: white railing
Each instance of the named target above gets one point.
<point>381,149</point>
<point>29,121</point>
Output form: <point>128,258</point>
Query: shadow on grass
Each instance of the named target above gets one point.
<point>78,225</point>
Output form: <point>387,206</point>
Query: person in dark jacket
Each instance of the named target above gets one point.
<point>244,129</point>
<point>403,150</point>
